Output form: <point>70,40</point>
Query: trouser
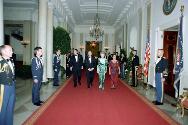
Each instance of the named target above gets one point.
<point>36,92</point>
<point>68,72</point>
<point>90,76</point>
<point>101,79</point>
<point>122,71</point>
<point>76,77</point>
<point>7,109</point>
<point>56,77</point>
<point>159,87</point>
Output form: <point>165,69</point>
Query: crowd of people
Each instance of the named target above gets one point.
<point>113,64</point>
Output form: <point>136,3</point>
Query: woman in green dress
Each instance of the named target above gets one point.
<point>102,69</point>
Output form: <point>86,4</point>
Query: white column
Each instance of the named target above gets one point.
<point>50,41</point>
<point>1,23</point>
<point>42,33</point>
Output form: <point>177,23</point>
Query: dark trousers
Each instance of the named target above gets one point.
<point>68,72</point>
<point>36,92</point>
<point>134,83</point>
<point>90,76</point>
<point>159,87</point>
<point>76,77</point>
<point>7,109</point>
<point>56,77</point>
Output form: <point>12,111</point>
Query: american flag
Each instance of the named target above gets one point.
<point>147,58</point>
<point>179,57</point>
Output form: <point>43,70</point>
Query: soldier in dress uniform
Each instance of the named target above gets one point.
<point>37,73</point>
<point>57,67</point>
<point>135,64</point>
<point>160,74</point>
<point>7,86</point>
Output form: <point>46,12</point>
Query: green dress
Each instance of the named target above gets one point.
<point>101,70</point>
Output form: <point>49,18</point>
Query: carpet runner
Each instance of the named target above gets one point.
<point>91,106</point>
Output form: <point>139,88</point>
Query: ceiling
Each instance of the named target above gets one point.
<point>110,11</point>
<point>82,12</point>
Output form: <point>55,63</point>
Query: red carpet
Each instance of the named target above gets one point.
<point>83,106</point>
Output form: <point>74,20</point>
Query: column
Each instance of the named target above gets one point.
<point>1,23</point>
<point>49,48</point>
<point>42,33</point>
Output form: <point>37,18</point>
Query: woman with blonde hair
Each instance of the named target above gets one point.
<point>102,69</point>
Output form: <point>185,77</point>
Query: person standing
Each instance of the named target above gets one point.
<point>57,67</point>
<point>76,64</point>
<point>7,86</point>
<point>102,69</point>
<point>114,71</point>
<point>160,74</point>
<point>90,66</point>
<point>135,64</point>
<point>122,65</point>
<point>68,72</point>
<point>37,74</point>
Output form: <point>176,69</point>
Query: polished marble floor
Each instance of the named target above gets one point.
<point>24,107</point>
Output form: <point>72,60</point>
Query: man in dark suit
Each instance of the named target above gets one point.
<point>76,64</point>
<point>57,67</point>
<point>135,64</point>
<point>90,65</point>
<point>37,73</point>
<point>7,86</point>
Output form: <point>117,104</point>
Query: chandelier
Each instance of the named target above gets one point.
<point>96,31</point>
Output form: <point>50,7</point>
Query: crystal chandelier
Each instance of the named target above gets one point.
<point>96,31</point>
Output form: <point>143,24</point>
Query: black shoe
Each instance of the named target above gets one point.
<point>41,101</point>
<point>37,104</point>
<point>75,86</point>
<point>56,85</point>
<point>157,103</point>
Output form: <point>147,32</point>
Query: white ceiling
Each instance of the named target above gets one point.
<point>110,11</point>
<point>82,12</point>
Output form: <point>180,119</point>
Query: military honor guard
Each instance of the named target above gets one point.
<point>7,86</point>
<point>135,64</point>
<point>37,74</point>
<point>57,67</point>
<point>160,74</point>
<point>76,64</point>
<point>102,69</point>
<point>90,66</point>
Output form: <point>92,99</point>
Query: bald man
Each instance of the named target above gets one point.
<point>160,74</point>
<point>7,83</point>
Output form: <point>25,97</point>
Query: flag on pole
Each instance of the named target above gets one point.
<point>179,58</point>
<point>147,57</point>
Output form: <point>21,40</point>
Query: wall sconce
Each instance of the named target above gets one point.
<point>25,42</point>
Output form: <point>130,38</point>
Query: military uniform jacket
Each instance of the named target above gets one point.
<point>57,63</point>
<point>161,66</point>
<point>6,73</point>
<point>36,68</point>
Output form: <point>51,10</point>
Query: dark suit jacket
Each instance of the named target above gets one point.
<point>57,63</point>
<point>76,65</point>
<point>88,64</point>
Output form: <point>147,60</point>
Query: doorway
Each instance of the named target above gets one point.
<point>94,47</point>
<point>169,44</point>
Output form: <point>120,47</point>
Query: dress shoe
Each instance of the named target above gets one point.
<point>37,104</point>
<point>157,103</point>
<point>56,85</point>
<point>41,101</point>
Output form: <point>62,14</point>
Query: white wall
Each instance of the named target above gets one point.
<point>159,22</point>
